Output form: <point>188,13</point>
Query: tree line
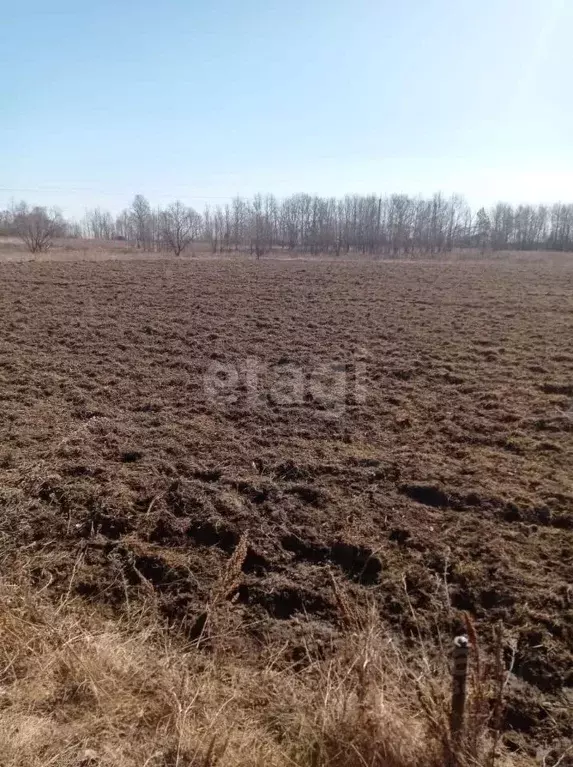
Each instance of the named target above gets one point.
<point>394,225</point>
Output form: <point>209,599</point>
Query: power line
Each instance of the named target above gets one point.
<point>75,190</point>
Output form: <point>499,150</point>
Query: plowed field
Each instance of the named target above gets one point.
<point>406,428</point>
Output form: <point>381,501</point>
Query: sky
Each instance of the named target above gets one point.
<point>202,101</point>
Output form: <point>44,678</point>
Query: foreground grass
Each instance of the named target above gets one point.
<point>81,689</point>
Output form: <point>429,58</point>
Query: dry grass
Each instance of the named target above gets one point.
<point>81,249</point>
<point>79,689</point>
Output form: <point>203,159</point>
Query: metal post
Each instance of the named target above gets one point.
<point>459,686</point>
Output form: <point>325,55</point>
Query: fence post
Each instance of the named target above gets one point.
<point>459,687</point>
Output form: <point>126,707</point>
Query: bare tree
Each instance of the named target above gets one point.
<point>239,225</point>
<point>179,226</point>
<point>99,224</point>
<point>395,225</point>
<point>483,230</point>
<point>123,228</point>
<point>260,235</point>
<point>502,226</point>
<point>141,221</point>
<point>38,227</point>
<point>218,229</point>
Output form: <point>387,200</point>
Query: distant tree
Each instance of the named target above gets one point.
<point>219,229</point>
<point>38,227</point>
<point>99,224</point>
<point>502,226</point>
<point>394,225</point>
<point>483,229</point>
<point>179,226</point>
<point>73,230</point>
<point>257,234</point>
<point>239,222</point>
<point>123,227</point>
<point>140,215</point>
<point>6,222</point>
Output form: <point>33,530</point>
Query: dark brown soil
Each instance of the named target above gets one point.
<point>442,473</point>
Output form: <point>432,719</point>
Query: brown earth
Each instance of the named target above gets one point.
<point>426,462</point>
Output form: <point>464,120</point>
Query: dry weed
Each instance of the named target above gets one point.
<point>80,690</point>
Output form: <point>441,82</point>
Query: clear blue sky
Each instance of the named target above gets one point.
<point>197,100</point>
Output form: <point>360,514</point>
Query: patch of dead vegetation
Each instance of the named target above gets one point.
<point>86,690</point>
